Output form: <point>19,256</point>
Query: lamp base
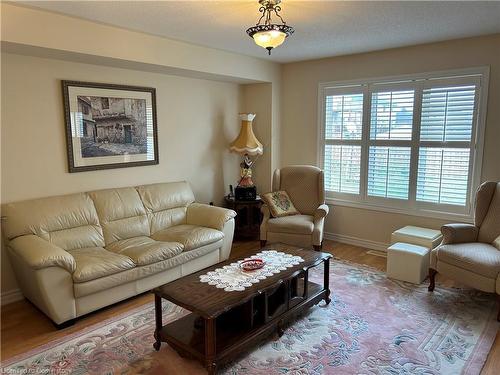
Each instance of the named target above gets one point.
<point>245,193</point>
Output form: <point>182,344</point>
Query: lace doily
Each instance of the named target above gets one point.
<point>232,278</point>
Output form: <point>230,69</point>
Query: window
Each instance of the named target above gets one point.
<point>105,103</point>
<point>343,126</point>
<point>407,144</point>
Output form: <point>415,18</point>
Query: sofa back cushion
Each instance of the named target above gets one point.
<point>490,226</point>
<point>121,213</point>
<point>67,221</point>
<point>166,203</point>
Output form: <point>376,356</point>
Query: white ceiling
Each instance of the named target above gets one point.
<point>322,28</point>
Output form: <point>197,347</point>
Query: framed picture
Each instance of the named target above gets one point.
<point>109,126</point>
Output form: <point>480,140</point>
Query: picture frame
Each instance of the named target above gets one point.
<point>109,126</point>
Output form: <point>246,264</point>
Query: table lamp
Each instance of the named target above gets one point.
<point>247,144</point>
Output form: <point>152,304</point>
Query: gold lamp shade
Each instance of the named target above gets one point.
<point>247,142</point>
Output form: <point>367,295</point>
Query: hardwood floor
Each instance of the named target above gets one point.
<point>23,327</point>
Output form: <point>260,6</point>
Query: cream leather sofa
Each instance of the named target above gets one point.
<point>74,254</point>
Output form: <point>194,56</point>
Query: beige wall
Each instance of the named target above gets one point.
<point>196,121</point>
<point>300,111</point>
<point>257,98</point>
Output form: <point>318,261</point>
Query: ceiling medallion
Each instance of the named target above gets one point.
<point>265,33</point>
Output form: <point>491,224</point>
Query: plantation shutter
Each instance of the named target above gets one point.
<point>389,151</point>
<point>447,125</point>
<point>343,133</point>
<point>409,144</point>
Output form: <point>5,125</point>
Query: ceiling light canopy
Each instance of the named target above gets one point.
<point>265,33</point>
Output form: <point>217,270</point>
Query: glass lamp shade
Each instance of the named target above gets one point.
<point>269,39</point>
<point>269,36</point>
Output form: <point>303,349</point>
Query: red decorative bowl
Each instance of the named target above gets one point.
<point>252,264</point>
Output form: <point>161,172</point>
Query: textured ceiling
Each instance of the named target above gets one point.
<point>322,28</point>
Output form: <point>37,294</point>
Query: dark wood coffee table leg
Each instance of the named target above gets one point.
<point>159,323</point>
<point>326,281</point>
<point>210,346</point>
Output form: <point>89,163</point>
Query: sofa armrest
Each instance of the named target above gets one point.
<point>208,216</point>
<point>38,253</point>
<point>266,213</point>
<point>321,212</point>
<point>458,233</point>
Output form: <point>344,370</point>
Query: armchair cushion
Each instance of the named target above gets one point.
<point>296,224</point>
<point>208,216</point>
<point>191,236</point>
<point>279,204</point>
<point>480,258</point>
<point>459,233</point>
<point>95,262</point>
<point>144,250</point>
<point>39,253</point>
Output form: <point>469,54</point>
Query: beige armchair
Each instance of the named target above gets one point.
<point>467,253</point>
<point>305,186</point>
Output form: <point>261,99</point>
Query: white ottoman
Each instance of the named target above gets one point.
<point>407,262</point>
<point>429,238</point>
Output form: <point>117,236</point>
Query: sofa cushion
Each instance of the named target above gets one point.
<point>296,224</point>
<point>191,236</point>
<point>95,262</point>
<point>480,258</point>
<point>121,213</point>
<point>166,203</point>
<point>144,250</point>
<point>142,272</point>
<point>67,221</point>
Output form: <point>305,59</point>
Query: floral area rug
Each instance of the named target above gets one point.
<point>373,325</point>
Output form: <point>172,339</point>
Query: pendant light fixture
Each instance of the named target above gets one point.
<point>265,33</point>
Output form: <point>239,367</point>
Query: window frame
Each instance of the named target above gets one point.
<point>419,81</point>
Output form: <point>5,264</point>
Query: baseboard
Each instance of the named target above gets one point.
<point>356,241</point>
<point>11,296</point>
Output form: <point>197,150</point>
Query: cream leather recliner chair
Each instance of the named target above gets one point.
<point>466,252</point>
<point>305,186</point>
<point>74,254</point>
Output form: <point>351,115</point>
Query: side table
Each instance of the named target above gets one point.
<point>248,217</point>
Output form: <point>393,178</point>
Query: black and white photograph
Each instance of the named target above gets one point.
<point>112,126</point>
<point>109,126</point>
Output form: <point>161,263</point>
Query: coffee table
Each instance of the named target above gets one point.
<point>222,325</point>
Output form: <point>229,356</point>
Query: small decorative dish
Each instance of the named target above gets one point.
<point>252,264</point>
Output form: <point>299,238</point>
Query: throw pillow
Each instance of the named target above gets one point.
<point>496,242</point>
<point>279,204</point>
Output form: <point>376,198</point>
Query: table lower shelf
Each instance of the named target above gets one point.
<point>236,329</point>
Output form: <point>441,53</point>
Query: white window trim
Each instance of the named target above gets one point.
<point>394,205</point>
